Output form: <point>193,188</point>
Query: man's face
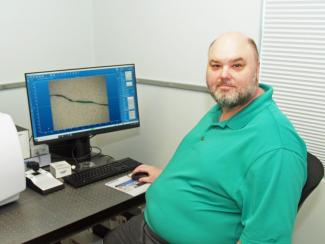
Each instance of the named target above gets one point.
<point>232,72</point>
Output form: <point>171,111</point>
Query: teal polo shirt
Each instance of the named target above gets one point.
<point>239,179</point>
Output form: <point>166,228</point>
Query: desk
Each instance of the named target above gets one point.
<point>35,218</point>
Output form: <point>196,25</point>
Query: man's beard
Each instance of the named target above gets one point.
<point>234,98</point>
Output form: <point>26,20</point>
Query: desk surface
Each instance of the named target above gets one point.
<point>36,218</point>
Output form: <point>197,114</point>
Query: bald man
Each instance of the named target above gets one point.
<point>237,176</point>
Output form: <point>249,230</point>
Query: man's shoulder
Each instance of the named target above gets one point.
<point>277,130</point>
<point>273,118</point>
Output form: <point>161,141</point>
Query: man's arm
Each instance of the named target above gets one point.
<point>270,194</point>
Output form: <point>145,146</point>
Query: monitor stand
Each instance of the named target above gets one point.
<point>76,152</point>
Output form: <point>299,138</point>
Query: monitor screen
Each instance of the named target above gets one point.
<point>66,105</point>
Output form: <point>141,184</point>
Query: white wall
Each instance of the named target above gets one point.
<point>43,35</point>
<point>168,40</point>
<point>14,102</point>
<point>310,220</point>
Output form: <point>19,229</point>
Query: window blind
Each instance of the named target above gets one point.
<point>292,54</point>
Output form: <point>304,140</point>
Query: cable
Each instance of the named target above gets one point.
<point>91,154</point>
<point>98,154</point>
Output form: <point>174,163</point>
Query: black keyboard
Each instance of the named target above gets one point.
<point>94,174</point>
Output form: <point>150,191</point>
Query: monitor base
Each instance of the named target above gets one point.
<point>96,161</point>
<point>73,150</point>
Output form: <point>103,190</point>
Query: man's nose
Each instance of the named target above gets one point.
<point>225,72</point>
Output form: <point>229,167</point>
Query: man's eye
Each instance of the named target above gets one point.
<point>215,66</point>
<point>237,66</point>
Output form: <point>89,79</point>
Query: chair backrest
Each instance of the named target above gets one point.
<point>315,173</point>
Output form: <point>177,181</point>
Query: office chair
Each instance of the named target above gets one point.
<point>315,173</point>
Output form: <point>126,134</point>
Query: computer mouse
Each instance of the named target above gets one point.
<point>137,176</point>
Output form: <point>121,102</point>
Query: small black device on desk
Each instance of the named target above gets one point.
<point>94,174</point>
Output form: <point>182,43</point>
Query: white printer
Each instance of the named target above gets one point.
<point>12,171</point>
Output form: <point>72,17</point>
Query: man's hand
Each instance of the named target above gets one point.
<point>152,172</point>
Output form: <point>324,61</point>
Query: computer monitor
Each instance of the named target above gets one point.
<point>67,107</point>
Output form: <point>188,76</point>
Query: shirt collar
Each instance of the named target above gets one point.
<point>242,118</point>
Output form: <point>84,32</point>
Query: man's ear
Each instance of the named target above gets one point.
<point>258,71</point>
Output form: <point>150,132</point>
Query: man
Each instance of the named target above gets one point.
<point>237,176</point>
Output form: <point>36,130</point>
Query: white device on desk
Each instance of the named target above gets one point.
<point>23,136</point>
<point>42,181</point>
<point>60,169</point>
<point>12,177</point>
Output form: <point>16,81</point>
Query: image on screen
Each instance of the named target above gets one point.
<point>83,99</point>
